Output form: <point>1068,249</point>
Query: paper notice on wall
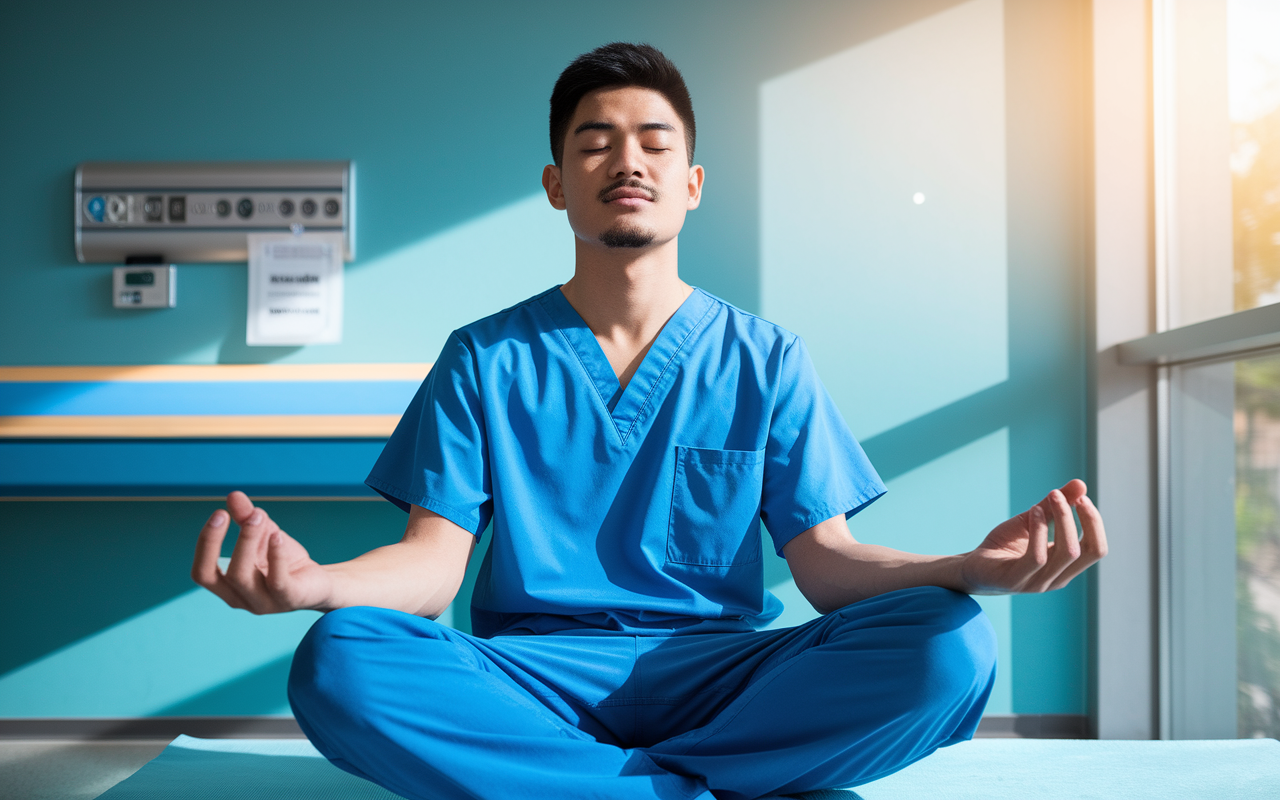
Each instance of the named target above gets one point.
<point>295,288</point>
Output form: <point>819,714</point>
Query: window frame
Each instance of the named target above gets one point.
<point>1164,598</point>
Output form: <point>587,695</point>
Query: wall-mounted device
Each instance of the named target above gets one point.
<point>150,286</point>
<point>164,212</point>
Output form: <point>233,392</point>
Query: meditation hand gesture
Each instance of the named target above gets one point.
<point>1017,555</point>
<point>269,571</point>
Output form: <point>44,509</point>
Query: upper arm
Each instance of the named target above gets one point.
<point>443,545</point>
<point>810,552</point>
<point>814,468</point>
<point>437,457</point>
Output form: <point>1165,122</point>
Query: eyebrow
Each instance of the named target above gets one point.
<point>609,126</point>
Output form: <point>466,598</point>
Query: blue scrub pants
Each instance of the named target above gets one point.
<point>428,712</point>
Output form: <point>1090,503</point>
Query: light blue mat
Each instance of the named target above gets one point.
<point>243,769</point>
<point>986,769</point>
<point>1057,769</point>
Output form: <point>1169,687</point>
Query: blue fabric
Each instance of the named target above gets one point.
<point>631,510</point>
<point>429,712</point>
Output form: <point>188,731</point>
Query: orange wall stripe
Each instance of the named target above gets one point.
<point>218,372</point>
<point>302,426</point>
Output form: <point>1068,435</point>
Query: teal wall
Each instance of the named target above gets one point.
<point>950,333</point>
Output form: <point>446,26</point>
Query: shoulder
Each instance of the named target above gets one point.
<point>742,329</point>
<point>514,323</point>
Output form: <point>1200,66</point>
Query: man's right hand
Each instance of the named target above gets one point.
<point>269,571</point>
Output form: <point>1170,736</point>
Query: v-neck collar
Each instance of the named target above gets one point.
<point>627,407</point>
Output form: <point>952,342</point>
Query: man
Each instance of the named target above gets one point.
<point>625,434</point>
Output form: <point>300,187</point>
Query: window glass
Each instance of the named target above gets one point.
<point>1253,33</point>
<point>1257,431</point>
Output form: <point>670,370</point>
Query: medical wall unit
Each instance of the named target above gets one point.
<point>165,212</point>
<point>144,287</point>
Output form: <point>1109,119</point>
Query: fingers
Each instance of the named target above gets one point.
<point>1037,555</point>
<point>1073,490</point>
<point>1095,534</point>
<point>240,506</point>
<point>204,570</point>
<point>1093,544</point>
<point>260,550</point>
<point>1066,542</point>
<point>245,513</point>
<point>1017,556</point>
<point>248,558</point>
<point>277,566</point>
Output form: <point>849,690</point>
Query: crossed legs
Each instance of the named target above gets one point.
<point>429,712</point>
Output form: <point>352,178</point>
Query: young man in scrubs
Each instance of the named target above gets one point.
<point>622,436</point>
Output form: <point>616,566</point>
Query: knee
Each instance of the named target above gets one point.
<point>947,640</point>
<point>961,643</point>
<point>332,663</point>
<point>360,623</point>
<point>320,655</point>
<point>957,651</point>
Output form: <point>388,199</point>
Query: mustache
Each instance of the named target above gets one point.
<point>629,183</point>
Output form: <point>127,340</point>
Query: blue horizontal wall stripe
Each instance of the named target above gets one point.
<point>143,468</point>
<point>112,398</point>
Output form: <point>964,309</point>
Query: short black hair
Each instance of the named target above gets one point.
<point>618,64</point>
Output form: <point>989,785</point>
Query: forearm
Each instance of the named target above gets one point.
<point>849,571</point>
<point>832,569</point>
<point>415,577</point>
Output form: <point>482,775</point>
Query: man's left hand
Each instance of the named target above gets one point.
<point>1017,555</point>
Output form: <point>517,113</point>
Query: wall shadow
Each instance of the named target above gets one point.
<point>74,569</point>
<point>246,694</point>
<point>933,435</point>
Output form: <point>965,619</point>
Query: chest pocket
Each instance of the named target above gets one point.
<point>715,507</point>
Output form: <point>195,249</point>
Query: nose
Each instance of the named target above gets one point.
<point>627,160</point>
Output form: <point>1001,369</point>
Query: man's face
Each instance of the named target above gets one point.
<point>625,178</point>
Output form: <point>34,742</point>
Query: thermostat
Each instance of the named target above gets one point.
<point>151,286</point>
<point>201,211</point>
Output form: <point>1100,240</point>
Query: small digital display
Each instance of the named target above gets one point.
<point>147,278</point>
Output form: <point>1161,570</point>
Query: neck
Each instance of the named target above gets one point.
<point>626,295</point>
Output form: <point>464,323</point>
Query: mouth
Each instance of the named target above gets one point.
<point>628,193</point>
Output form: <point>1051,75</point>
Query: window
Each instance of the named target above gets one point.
<point>1214,375</point>
<point>1256,423</point>
<point>1253,90</point>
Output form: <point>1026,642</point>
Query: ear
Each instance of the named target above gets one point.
<point>555,190</point>
<point>696,175</point>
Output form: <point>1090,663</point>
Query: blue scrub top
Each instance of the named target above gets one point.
<point>631,510</point>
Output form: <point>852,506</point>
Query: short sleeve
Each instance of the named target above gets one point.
<point>436,458</point>
<point>814,469</point>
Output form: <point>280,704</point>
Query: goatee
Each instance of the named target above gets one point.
<point>620,236</point>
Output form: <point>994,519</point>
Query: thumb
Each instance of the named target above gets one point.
<point>240,506</point>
